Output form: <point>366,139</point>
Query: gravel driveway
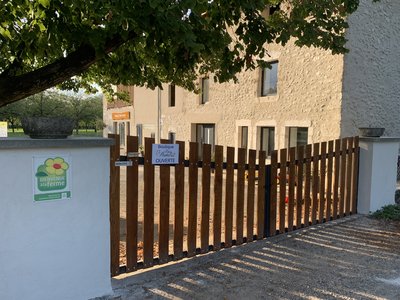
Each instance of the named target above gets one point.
<point>352,258</point>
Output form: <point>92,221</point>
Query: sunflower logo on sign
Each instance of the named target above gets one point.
<point>52,174</point>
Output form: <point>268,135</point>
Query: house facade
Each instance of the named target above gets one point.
<point>309,95</point>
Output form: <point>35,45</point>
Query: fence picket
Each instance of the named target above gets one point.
<point>240,195</point>
<point>336,180</point>
<point>193,178</point>
<point>349,167</point>
<point>292,182</point>
<point>179,202</point>
<point>205,201</point>
<point>307,186</point>
<point>274,193</point>
<point>132,176</point>
<point>250,195</point>
<point>315,185</point>
<point>321,205</point>
<point>282,190</point>
<point>219,156</point>
<point>230,155</point>
<point>163,222</point>
<point>299,187</point>
<point>342,186</point>
<point>114,206</point>
<point>354,185</point>
<point>148,205</point>
<point>261,196</point>
<point>329,182</point>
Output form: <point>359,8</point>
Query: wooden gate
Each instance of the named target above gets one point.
<point>165,213</point>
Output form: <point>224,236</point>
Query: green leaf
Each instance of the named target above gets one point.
<point>5,33</point>
<point>45,3</point>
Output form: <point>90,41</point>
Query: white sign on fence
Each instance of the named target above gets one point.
<point>165,154</point>
<point>3,129</point>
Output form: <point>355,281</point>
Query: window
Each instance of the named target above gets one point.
<point>172,137</point>
<point>204,90</point>
<point>153,135</point>
<point>115,127</point>
<point>205,134</point>
<point>122,133</point>
<point>298,136</point>
<point>171,95</point>
<point>244,137</point>
<point>269,80</point>
<point>139,133</point>
<point>267,139</point>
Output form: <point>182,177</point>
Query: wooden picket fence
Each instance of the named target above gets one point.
<point>229,203</point>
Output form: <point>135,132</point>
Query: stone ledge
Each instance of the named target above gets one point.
<point>380,139</point>
<point>73,142</point>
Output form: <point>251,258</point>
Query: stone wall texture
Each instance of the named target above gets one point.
<point>371,89</point>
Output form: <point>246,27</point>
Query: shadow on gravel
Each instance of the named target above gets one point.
<point>354,258</point>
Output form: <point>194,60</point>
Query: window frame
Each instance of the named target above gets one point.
<point>271,140</point>
<point>205,90</point>
<point>289,142</point>
<point>171,95</point>
<point>263,82</point>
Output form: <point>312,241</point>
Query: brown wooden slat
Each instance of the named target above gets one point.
<point>240,195</point>
<point>148,204</point>
<point>307,186</point>
<point>114,206</point>
<point>329,174</point>
<point>132,176</point>
<point>163,222</point>
<point>349,166</point>
<point>261,195</point>
<point>205,201</point>
<point>179,202</point>
<point>274,193</point>
<point>299,186</point>
<point>282,189</point>
<point>230,156</point>
<point>250,194</point>
<point>321,205</point>
<point>315,178</point>
<point>354,186</point>
<point>342,177</point>
<point>292,182</point>
<point>193,178</point>
<point>336,179</point>
<point>219,156</point>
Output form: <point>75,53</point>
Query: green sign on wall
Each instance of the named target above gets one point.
<point>52,176</point>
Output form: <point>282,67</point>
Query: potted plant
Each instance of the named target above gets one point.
<point>371,131</point>
<point>45,118</point>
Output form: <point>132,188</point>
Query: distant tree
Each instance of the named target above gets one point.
<point>85,111</point>
<point>11,113</point>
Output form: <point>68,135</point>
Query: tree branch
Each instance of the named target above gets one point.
<point>14,88</point>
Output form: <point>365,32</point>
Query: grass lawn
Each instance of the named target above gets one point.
<point>82,132</point>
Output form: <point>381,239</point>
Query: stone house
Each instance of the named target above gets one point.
<point>308,96</point>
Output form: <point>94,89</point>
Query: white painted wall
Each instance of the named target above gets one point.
<point>378,170</point>
<point>54,249</point>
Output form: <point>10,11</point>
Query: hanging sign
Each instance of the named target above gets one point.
<point>51,177</point>
<point>165,154</point>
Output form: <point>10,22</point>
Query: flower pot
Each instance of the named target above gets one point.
<point>47,127</point>
<point>371,131</point>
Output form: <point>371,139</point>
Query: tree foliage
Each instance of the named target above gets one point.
<point>86,111</point>
<point>73,43</point>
